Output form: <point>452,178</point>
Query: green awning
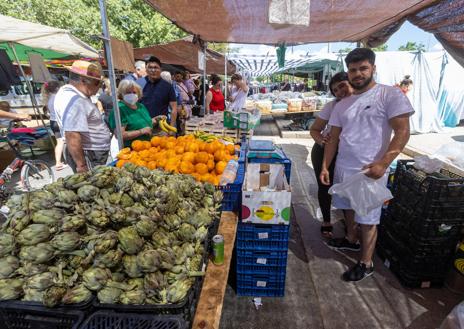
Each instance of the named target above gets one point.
<point>23,52</point>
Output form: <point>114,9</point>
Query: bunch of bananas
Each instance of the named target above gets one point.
<point>166,127</point>
<point>208,138</point>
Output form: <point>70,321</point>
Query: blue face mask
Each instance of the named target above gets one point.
<point>131,98</point>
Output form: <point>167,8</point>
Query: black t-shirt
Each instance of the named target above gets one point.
<point>157,95</point>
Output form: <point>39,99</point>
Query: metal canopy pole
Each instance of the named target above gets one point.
<point>34,104</point>
<point>225,74</point>
<point>204,78</point>
<point>109,60</point>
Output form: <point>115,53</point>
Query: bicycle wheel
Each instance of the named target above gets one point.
<point>35,174</point>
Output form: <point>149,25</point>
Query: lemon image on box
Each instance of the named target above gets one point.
<point>265,213</point>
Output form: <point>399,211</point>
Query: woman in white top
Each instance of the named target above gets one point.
<point>320,132</point>
<point>238,93</point>
<point>50,89</point>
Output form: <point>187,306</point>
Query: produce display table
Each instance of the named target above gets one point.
<point>209,308</point>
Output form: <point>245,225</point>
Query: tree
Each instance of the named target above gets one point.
<point>346,50</point>
<point>412,46</point>
<point>383,47</point>
<point>223,48</point>
<point>129,20</point>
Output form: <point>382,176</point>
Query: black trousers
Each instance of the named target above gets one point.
<point>93,158</point>
<point>325,199</point>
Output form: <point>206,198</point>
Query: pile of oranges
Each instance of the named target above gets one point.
<point>185,155</point>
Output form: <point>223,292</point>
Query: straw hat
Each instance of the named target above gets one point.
<point>86,69</point>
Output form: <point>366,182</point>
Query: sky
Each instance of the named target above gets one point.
<point>407,32</point>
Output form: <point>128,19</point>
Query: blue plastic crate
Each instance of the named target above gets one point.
<point>260,269</point>
<point>232,193</point>
<point>254,257</point>
<point>262,237</point>
<point>258,285</point>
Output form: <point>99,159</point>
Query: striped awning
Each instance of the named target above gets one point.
<point>256,65</point>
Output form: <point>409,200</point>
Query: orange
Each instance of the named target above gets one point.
<point>170,153</point>
<point>146,145</point>
<point>121,163</point>
<point>210,148</point>
<point>186,167</point>
<point>162,162</point>
<point>220,155</point>
<point>155,141</point>
<point>210,165</point>
<point>220,166</point>
<point>201,168</point>
<point>205,177</point>
<point>196,176</point>
<point>140,163</point>
<point>231,149</point>
<point>201,146</point>
<point>163,142</point>
<point>189,156</point>
<point>201,157</point>
<point>124,156</point>
<point>192,147</point>
<point>170,145</point>
<point>218,145</point>
<point>171,167</point>
<point>137,145</point>
<point>152,165</point>
<point>172,139</point>
<point>216,180</point>
<point>179,149</point>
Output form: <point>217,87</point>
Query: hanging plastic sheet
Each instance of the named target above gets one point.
<point>8,75</point>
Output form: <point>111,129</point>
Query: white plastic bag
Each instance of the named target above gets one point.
<point>454,320</point>
<point>452,153</point>
<point>427,164</point>
<point>365,194</point>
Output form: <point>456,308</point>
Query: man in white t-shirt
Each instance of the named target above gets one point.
<point>362,127</point>
<point>86,135</point>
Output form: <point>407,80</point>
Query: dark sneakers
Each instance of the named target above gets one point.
<point>358,272</point>
<point>343,244</point>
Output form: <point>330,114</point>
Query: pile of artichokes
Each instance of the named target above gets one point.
<point>127,235</point>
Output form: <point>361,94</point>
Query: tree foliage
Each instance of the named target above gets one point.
<point>412,46</point>
<point>383,47</point>
<point>129,20</point>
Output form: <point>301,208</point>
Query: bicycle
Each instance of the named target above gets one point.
<point>35,173</point>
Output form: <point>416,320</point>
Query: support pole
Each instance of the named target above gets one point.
<point>109,60</point>
<point>225,76</point>
<point>34,104</point>
<point>204,79</point>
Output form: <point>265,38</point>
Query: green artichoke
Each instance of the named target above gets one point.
<point>53,296</point>
<point>186,232</point>
<point>110,259</point>
<point>77,294</point>
<point>133,297</point>
<point>41,281</point>
<point>95,278</point>
<point>48,216</point>
<point>88,193</point>
<point>109,295</point>
<point>136,283</point>
<point>75,181</point>
<point>66,241</point>
<point>130,266</point>
<point>72,223</point>
<point>33,295</point>
<point>7,244</point>
<point>130,242</point>
<point>149,260</point>
<point>8,266</point>
<point>38,254</point>
<point>11,289</point>
<point>33,234</point>
<point>28,269</point>
<point>145,227</point>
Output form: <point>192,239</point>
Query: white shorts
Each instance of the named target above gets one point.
<point>373,217</point>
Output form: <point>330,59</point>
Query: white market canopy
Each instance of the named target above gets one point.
<point>257,65</point>
<point>43,37</point>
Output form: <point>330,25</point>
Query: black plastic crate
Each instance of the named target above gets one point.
<point>19,316</point>
<point>117,320</point>
<point>422,228</point>
<point>443,186</point>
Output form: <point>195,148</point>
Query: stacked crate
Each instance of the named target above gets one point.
<point>261,252</point>
<point>261,259</point>
<point>422,225</point>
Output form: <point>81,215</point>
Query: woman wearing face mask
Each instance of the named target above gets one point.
<point>320,132</point>
<point>136,122</point>
<point>214,96</point>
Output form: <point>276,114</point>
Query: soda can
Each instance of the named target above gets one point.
<point>218,249</point>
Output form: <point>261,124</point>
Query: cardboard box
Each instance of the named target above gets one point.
<point>266,195</point>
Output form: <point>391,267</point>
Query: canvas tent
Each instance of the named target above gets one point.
<point>51,42</point>
<point>185,53</point>
<point>370,21</point>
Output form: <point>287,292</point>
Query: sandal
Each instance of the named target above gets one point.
<point>60,166</point>
<point>326,231</point>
